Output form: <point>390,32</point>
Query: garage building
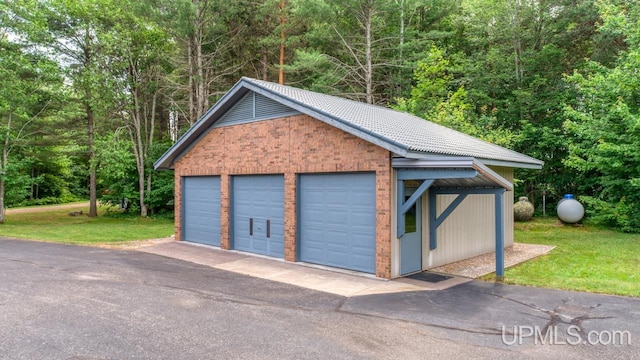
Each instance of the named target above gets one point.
<point>302,176</point>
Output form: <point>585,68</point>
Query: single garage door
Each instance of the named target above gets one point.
<point>337,221</point>
<point>201,209</point>
<point>258,214</point>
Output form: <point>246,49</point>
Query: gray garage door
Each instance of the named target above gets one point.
<point>201,209</point>
<point>258,214</point>
<point>337,220</point>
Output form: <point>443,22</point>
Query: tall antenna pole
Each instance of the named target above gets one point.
<point>283,4</point>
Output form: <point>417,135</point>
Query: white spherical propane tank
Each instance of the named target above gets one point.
<point>570,210</point>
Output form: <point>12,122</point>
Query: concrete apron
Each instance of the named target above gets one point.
<point>320,278</point>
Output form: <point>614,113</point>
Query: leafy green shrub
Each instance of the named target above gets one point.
<point>161,198</point>
<point>622,215</point>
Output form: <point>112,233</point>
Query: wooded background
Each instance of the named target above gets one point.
<point>93,91</point>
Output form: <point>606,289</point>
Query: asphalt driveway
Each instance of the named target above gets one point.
<point>73,302</point>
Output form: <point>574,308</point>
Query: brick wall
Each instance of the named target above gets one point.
<point>292,145</point>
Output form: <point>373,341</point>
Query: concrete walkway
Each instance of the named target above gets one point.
<point>343,283</point>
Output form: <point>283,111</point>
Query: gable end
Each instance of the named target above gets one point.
<point>254,107</point>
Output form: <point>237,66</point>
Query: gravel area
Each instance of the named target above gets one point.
<point>486,263</point>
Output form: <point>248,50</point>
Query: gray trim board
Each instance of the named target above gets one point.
<point>509,164</point>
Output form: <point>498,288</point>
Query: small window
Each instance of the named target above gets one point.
<point>410,219</point>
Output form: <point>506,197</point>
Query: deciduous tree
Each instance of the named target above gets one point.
<point>30,87</point>
<point>604,125</point>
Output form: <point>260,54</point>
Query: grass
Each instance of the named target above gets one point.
<point>53,223</point>
<point>587,258</point>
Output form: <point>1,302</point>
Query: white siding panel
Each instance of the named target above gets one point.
<point>470,229</point>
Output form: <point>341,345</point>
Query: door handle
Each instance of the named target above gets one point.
<point>268,228</point>
<point>250,226</point>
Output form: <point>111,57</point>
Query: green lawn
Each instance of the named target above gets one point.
<point>586,258</point>
<point>55,224</point>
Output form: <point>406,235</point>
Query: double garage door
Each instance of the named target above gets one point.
<point>336,216</point>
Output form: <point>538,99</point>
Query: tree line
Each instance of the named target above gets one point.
<point>93,91</point>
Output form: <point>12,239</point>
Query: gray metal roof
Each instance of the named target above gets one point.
<point>402,133</point>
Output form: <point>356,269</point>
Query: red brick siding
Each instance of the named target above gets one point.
<point>290,188</point>
<point>289,146</point>
<point>224,211</point>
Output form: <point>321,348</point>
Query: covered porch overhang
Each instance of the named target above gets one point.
<point>461,176</point>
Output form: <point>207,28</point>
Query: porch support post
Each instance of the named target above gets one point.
<point>499,221</point>
<point>433,242</point>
